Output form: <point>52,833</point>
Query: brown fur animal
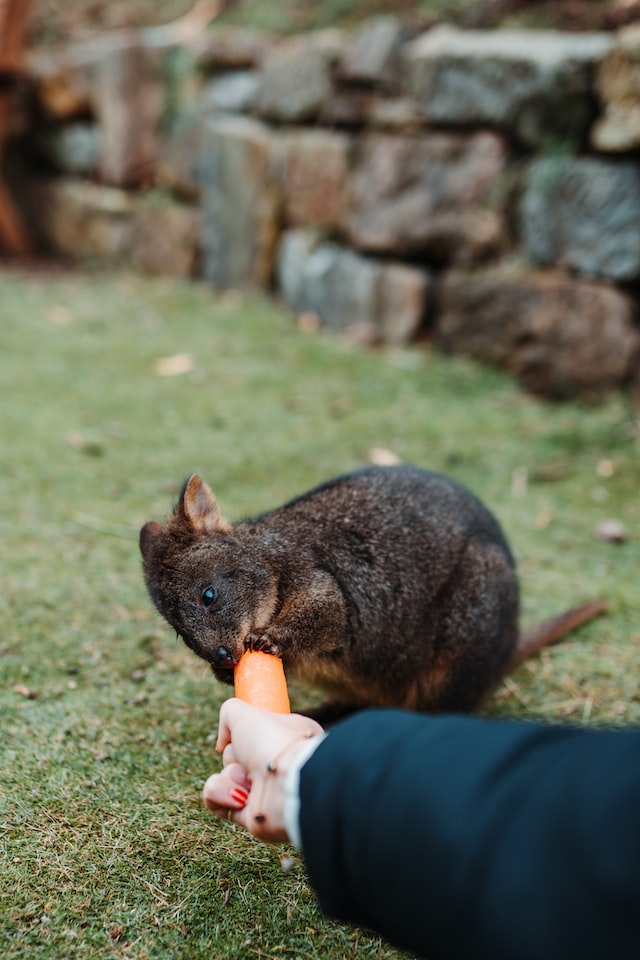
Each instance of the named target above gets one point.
<point>389,586</point>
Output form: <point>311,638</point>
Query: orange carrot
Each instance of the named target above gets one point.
<point>260,680</point>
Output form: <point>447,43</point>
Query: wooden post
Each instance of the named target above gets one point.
<point>13,17</point>
<point>13,24</point>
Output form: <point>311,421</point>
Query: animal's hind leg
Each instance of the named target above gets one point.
<point>477,632</point>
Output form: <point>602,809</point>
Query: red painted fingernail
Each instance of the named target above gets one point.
<point>239,795</point>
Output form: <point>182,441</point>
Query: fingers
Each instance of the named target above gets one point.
<point>228,795</point>
<point>232,713</point>
<point>228,790</point>
<point>257,733</point>
<point>224,732</point>
<point>228,755</point>
<point>254,743</point>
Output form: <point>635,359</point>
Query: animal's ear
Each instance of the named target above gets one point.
<point>200,509</point>
<point>149,537</point>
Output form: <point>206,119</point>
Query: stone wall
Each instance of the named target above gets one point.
<point>478,187</point>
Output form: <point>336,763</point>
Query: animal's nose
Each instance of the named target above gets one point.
<point>223,657</point>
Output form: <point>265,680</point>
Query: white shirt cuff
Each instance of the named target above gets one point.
<point>291,808</point>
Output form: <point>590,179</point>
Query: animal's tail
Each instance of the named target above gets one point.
<point>549,631</point>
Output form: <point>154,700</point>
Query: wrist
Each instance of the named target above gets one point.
<point>291,787</point>
<point>275,809</point>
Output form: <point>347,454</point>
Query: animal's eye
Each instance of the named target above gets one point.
<point>209,596</point>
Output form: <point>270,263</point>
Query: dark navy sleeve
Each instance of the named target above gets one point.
<point>456,837</point>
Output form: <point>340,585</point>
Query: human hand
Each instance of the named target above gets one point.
<point>257,749</point>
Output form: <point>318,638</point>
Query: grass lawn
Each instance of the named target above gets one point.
<point>108,721</point>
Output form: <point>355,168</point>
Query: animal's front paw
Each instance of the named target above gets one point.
<point>262,642</point>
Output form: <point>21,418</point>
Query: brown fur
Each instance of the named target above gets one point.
<point>389,586</point>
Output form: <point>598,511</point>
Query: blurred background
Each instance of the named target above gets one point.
<point>269,243</point>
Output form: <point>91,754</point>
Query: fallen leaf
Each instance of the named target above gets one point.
<point>519,481</point>
<point>173,366</point>
<point>308,322</point>
<point>26,691</point>
<point>382,457</point>
<point>543,519</point>
<point>606,468</point>
<point>85,444</point>
<point>60,316</point>
<point>612,531</point>
<point>551,472</point>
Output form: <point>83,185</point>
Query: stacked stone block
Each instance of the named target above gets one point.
<point>480,186</point>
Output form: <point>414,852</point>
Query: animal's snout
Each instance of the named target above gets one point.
<point>223,658</point>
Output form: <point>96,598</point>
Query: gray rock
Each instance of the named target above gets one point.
<point>395,113</point>
<point>240,202</point>
<point>165,237</point>
<point>328,280</point>
<point>294,251</point>
<point>427,195</point>
<point>118,81</point>
<point>584,213</point>
<point>612,531</point>
<point>83,220</point>
<point>128,99</point>
<point>350,293</point>
<point>296,76</point>
<point>618,87</point>
<point>403,297</point>
<point>340,287</point>
<point>72,149</point>
<point>373,57</point>
<point>234,92</point>
<point>560,336</point>
<point>63,77</point>
<point>313,168</point>
<point>534,84</point>
<point>234,48</point>
<point>354,107</point>
<point>181,157</point>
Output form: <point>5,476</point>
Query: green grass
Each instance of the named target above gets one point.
<point>293,16</point>
<point>108,722</point>
<point>296,16</point>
